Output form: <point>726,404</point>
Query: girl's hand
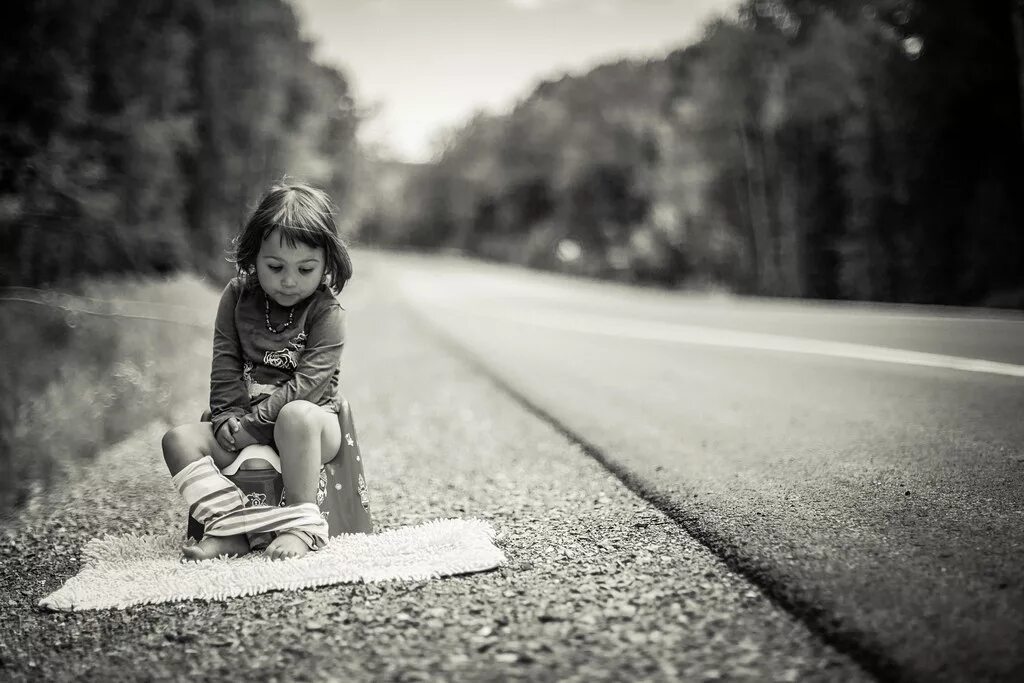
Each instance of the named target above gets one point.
<point>242,438</point>
<point>226,434</point>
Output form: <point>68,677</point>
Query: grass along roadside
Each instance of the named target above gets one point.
<point>75,383</point>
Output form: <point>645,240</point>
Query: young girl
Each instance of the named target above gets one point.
<point>276,349</point>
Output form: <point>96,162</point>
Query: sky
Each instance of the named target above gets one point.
<point>422,66</point>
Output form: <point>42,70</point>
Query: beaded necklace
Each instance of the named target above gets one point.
<point>266,316</point>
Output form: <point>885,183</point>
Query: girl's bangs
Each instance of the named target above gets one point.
<point>293,234</point>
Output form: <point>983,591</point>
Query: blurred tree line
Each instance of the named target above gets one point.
<point>860,149</point>
<point>135,136</point>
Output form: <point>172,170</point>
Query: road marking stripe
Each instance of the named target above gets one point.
<point>712,336</point>
<point>481,287</point>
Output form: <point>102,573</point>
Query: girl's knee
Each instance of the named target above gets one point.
<point>173,440</point>
<point>297,416</point>
<point>176,444</point>
<point>184,444</point>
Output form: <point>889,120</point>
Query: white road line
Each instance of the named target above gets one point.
<point>710,336</point>
<point>484,286</point>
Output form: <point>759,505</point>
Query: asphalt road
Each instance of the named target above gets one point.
<point>864,465</point>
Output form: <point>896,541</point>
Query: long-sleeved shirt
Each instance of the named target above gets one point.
<point>255,371</point>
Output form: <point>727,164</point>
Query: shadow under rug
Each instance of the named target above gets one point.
<point>121,571</point>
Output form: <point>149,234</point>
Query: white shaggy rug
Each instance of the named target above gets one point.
<point>121,571</point>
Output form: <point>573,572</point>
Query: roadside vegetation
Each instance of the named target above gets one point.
<point>832,149</point>
<point>135,137</point>
<point>75,383</point>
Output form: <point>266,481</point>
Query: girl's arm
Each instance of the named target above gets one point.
<point>228,395</point>
<point>313,373</point>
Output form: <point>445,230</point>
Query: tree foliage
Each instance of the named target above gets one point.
<point>136,136</point>
<point>860,149</point>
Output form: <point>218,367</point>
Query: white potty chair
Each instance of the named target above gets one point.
<point>341,491</point>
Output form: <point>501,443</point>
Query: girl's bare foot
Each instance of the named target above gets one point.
<point>215,546</point>
<point>286,546</point>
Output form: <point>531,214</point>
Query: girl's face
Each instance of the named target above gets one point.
<point>289,274</point>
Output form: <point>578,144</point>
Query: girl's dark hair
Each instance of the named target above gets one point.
<point>303,214</point>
